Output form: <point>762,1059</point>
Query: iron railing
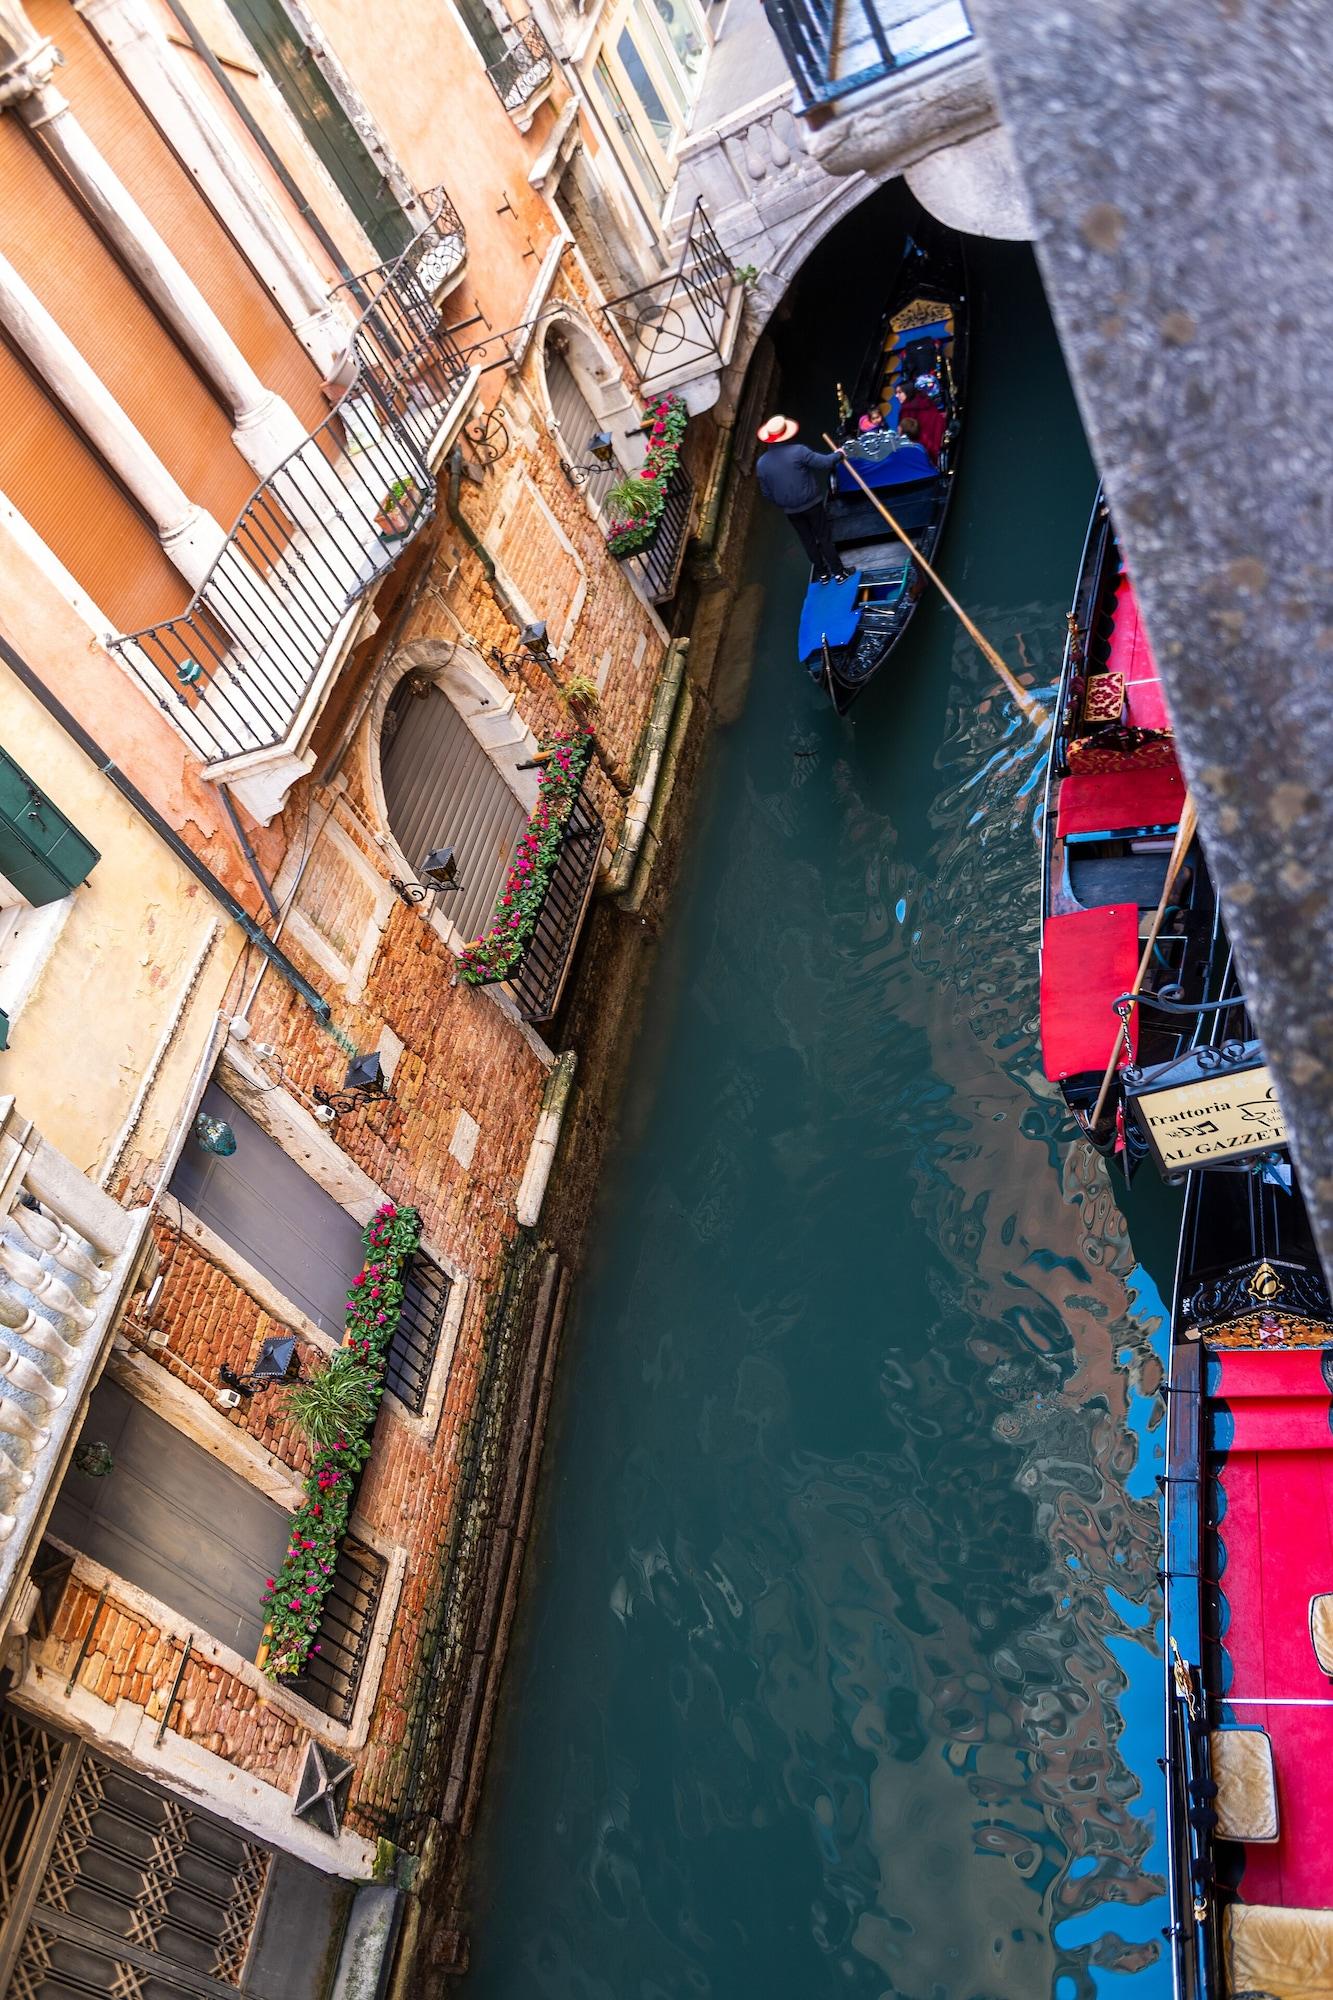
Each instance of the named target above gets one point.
<point>235,667</point>
<point>657,564</point>
<point>833,47</point>
<point>331,1675</point>
<point>681,317</point>
<point>416,1338</point>
<point>540,975</point>
<point>524,67</point>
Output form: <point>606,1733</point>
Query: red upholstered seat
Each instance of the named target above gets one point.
<point>1088,959</point>
<point>1131,656</point>
<point>1118,801</point>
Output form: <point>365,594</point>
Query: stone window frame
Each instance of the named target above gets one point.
<point>311,1147</point>
<point>350,974</point>
<point>604,391</point>
<point>489,707</point>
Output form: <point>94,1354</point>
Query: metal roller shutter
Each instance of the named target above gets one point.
<point>576,418</point>
<point>442,790</point>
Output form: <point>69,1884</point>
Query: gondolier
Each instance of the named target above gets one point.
<point>795,478</point>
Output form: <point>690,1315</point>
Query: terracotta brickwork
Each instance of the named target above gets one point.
<point>128,1658</point>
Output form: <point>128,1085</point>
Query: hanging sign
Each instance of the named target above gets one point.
<point>1210,1109</point>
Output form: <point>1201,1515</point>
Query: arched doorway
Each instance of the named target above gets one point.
<point>442,790</point>
<point>581,406</point>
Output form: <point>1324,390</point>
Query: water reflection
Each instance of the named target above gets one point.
<point>839,1674</point>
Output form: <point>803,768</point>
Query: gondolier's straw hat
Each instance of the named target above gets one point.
<point>777,430</point>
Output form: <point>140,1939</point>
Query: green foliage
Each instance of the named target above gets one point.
<point>336,1402</point>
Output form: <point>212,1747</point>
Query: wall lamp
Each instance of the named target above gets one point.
<point>533,644</point>
<point>439,876</point>
<point>363,1082</point>
<point>277,1361</point>
<point>601,446</point>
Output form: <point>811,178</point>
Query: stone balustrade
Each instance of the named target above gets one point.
<point>68,1256</point>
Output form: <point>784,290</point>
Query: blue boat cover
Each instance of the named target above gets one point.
<point>830,612</point>
<point>902,467</point>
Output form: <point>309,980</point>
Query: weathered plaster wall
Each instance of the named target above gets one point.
<point>119,971</point>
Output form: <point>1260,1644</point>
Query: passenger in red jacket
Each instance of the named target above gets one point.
<point>930,421</point>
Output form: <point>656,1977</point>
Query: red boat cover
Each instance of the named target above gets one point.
<point>1131,657</point>
<point>1277,1528</point>
<point>1118,801</point>
<point>1088,959</point>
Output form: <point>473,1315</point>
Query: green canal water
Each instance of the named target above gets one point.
<point>838,1667</point>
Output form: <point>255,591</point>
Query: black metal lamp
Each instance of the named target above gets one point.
<point>364,1080</point>
<point>601,447</point>
<point>277,1361</point>
<point>439,876</point>
<point>533,644</point>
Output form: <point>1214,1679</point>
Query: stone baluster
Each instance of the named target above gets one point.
<point>17,1423</point>
<point>38,1332</point>
<point>25,1374</point>
<point>43,1285</point>
<point>50,1236</point>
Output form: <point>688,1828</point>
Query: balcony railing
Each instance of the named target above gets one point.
<point>237,666</point>
<point>524,67</point>
<point>833,47</point>
<point>539,978</point>
<point>68,1255</point>
<point>681,322</point>
<point>657,564</point>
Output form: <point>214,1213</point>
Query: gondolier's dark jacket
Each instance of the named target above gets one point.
<point>793,477</point>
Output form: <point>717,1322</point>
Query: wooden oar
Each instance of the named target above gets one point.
<point>1184,835</point>
<point>1034,711</point>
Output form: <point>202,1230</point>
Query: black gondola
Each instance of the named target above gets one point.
<point>849,630</point>
<point>1248,1578</point>
<point>1114,800</point>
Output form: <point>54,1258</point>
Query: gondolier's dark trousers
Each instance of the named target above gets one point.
<point>812,528</point>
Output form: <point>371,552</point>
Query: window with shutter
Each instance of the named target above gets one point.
<point>42,854</point>
<point>328,130</point>
<point>271,1211</point>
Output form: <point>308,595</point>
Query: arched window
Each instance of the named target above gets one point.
<point>442,790</point>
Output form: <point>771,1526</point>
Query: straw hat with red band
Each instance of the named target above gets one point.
<point>777,430</point>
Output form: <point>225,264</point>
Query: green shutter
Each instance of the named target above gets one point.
<point>40,852</point>
<point>483,31</point>
<point>4,1029</point>
<point>329,132</point>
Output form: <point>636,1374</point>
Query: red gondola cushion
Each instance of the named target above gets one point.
<point>1118,801</point>
<point>1088,959</point>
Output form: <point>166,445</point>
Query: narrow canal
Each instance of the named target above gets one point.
<point>837,1672</point>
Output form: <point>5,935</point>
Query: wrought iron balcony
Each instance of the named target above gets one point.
<point>241,668</point>
<point>538,980</point>
<point>684,323</point>
<point>833,47</point>
<point>657,563</point>
<point>68,1255</point>
<point>524,68</point>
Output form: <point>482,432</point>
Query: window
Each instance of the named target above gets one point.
<point>43,859</point>
<point>270,1210</point>
<point>416,1339</point>
<point>479,24</point>
<point>328,130</point>
<point>332,1674</point>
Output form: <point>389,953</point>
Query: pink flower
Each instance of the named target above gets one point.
<point>270,1582</point>
<point>295,1604</point>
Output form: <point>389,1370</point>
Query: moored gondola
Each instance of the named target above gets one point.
<point>1117,874</point>
<point>919,356</point>
<point>1249,1567</point>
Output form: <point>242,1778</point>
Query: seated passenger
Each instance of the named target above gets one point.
<point>927,422</point>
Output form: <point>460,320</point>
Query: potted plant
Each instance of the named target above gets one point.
<point>635,503</point>
<point>399,508</point>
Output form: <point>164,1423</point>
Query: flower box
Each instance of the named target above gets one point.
<point>665,422</point>
<point>294,1597</point>
<point>399,509</point>
<point>498,951</point>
